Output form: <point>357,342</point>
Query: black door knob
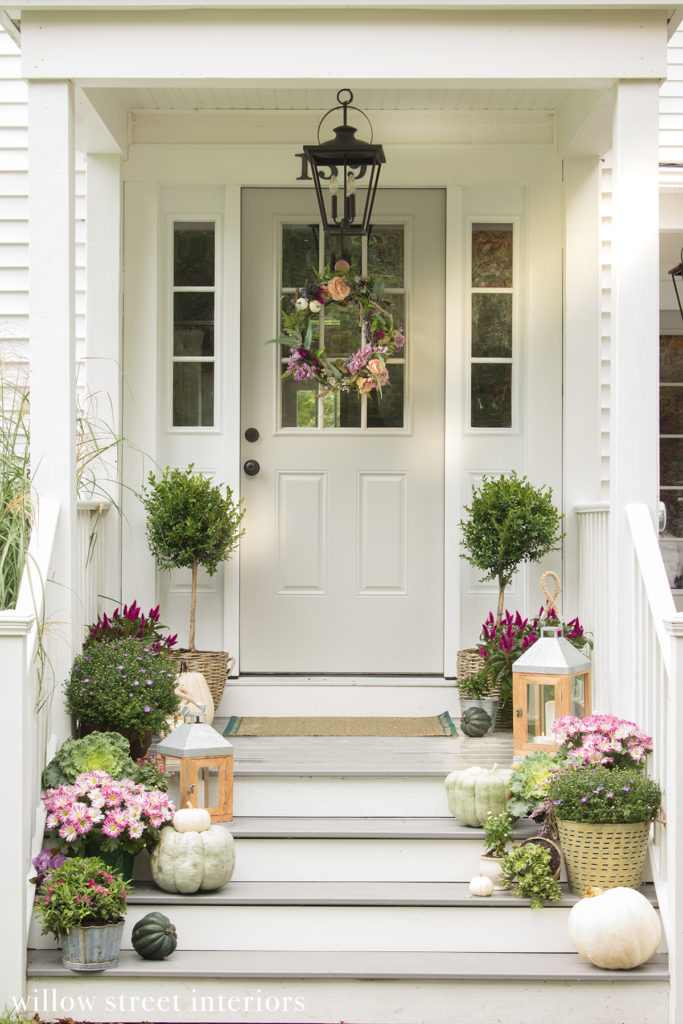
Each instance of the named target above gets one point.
<point>251,467</point>
<point>251,434</point>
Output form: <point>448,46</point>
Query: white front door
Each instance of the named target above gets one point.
<point>341,566</point>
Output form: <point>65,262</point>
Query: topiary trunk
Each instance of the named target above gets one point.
<point>193,603</point>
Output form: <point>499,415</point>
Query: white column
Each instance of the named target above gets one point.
<point>673,831</point>
<point>18,801</point>
<point>51,320</point>
<point>634,454</point>
<point>103,344</point>
<point>581,357</point>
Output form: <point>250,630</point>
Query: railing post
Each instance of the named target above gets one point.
<point>16,748</point>
<point>673,798</point>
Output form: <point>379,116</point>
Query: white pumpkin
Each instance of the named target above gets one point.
<point>474,793</point>
<point>191,819</point>
<point>481,885</point>
<point>617,929</point>
<point>189,861</point>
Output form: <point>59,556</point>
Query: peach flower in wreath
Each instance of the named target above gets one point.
<point>366,384</point>
<point>341,265</point>
<point>375,366</point>
<point>338,289</point>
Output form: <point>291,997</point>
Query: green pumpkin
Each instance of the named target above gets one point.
<point>154,937</point>
<point>474,793</point>
<point>475,721</point>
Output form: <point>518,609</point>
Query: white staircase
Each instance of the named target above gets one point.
<point>350,903</point>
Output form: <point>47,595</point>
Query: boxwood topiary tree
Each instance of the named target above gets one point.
<point>509,522</point>
<point>190,522</point>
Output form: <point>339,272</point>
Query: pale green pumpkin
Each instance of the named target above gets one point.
<point>188,861</point>
<point>474,793</point>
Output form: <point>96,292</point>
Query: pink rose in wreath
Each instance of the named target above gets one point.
<point>338,289</point>
<point>375,366</point>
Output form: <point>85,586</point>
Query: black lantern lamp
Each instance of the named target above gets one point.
<point>675,272</point>
<point>340,163</point>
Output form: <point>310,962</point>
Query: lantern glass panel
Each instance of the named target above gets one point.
<point>541,712</point>
<point>578,706</point>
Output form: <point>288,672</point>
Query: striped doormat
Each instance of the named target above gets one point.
<point>437,725</point>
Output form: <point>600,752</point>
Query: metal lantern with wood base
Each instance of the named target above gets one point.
<point>551,679</point>
<point>200,749</point>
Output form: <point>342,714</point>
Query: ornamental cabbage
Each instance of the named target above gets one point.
<point>105,751</point>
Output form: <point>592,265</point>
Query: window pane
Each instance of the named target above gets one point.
<point>491,325</point>
<point>386,256</point>
<point>674,512</point>
<point>342,409</point>
<point>299,253</point>
<point>389,411</point>
<point>397,308</point>
<point>671,358</point>
<point>671,409</point>
<point>671,461</point>
<point>342,331</point>
<point>352,253</point>
<point>193,254</point>
<point>299,403</point>
<point>193,323</point>
<point>491,395</point>
<point>492,255</point>
<point>193,394</point>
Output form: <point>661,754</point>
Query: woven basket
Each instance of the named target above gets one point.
<point>604,855</point>
<point>469,662</point>
<point>215,666</point>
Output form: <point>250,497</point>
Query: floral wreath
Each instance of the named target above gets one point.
<point>366,369</point>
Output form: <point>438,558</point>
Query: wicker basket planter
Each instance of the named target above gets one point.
<point>215,666</point>
<point>603,855</point>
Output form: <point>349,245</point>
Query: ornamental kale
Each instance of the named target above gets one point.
<point>80,892</point>
<point>527,869</point>
<point>130,622</point>
<point>108,751</point>
<point>603,795</point>
<point>122,685</point>
<point>529,783</point>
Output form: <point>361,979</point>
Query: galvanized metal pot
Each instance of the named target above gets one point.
<point>92,947</point>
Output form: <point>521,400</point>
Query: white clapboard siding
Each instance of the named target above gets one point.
<point>671,105</point>
<point>14,328</point>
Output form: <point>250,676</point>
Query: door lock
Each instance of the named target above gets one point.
<point>251,467</point>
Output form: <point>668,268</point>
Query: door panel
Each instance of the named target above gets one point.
<point>341,566</point>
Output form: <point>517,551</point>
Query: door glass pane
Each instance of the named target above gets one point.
<point>671,358</point>
<point>193,394</point>
<point>671,409</point>
<point>299,403</point>
<point>300,252</point>
<point>671,461</point>
<point>193,254</point>
<point>193,324</point>
<point>491,395</point>
<point>342,331</point>
<point>492,256</point>
<point>342,409</point>
<point>491,324</point>
<point>389,411</point>
<point>352,252</point>
<point>386,258</point>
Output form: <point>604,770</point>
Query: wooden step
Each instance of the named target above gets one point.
<point>374,987</point>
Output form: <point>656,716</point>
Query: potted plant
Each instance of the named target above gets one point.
<point>114,820</point>
<point>497,834</point>
<point>103,751</point>
<point>474,692</point>
<point>84,904</point>
<point>509,522</point>
<point>130,621</point>
<point>527,870</point>
<point>603,818</point>
<point>601,739</point>
<point>529,784</point>
<point>192,523</point>
<point>122,686</point>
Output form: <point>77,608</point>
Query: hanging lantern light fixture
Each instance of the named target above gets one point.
<point>675,272</point>
<point>338,165</point>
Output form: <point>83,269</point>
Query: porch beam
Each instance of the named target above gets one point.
<point>52,333</point>
<point>634,428</point>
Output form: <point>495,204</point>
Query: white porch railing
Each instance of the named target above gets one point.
<point>655,692</point>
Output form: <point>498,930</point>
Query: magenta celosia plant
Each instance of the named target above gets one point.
<point>601,739</point>
<point>98,813</point>
<point>131,621</point>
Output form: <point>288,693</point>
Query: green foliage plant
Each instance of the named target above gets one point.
<point>529,782</point>
<point>527,869</point>
<point>104,751</point>
<point>122,686</point>
<point>16,515</point>
<point>509,522</point>
<point>476,686</point>
<point>190,523</point>
<point>80,892</point>
<point>603,795</point>
<point>497,831</point>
